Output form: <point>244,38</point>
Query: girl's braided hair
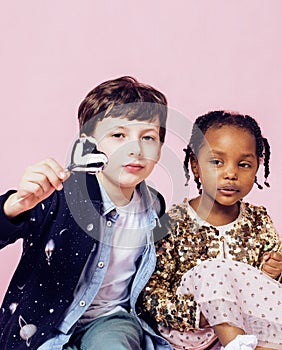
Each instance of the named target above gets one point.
<point>218,119</point>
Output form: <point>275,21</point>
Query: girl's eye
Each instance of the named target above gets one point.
<point>245,165</point>
<point>215,162</point>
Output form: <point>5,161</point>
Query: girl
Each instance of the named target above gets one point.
<point>207,284</point>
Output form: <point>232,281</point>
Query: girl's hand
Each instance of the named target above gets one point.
<point>37,183</point>
<point>272,263</point>
<point>203,322</point>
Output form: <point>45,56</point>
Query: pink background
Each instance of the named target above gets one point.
<point>203,55</point>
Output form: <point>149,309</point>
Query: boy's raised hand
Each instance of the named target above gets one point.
<point>272,263</point>
<point>38,182</point>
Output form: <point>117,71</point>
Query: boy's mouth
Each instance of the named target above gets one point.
<point>133,167</point>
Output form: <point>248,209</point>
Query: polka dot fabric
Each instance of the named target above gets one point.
<point>237,293</point>
<point>194,339</point>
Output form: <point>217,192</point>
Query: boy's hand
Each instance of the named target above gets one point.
<point>272,263</point>
<point>37,183</point>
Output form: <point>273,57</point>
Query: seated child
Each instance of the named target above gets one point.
<point>88,247</point>
<point>208,284</point>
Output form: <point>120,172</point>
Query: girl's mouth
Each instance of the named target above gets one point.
<point>228,189</point>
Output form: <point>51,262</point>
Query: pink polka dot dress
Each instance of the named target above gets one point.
<point>239,294</point>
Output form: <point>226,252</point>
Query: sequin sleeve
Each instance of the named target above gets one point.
<point>159,296</point>
<point>266,233</point>
<point>264,230</point>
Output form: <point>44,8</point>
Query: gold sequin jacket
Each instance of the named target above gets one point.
<point>187,244</point>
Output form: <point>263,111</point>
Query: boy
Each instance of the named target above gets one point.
<point>88,248</point>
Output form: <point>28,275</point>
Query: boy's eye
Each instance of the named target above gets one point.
<point>148,138</point>
<point>118,135</point>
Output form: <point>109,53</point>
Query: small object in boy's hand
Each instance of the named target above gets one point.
<point>86,158</point>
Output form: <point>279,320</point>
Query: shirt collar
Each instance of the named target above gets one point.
<point>108,205</point>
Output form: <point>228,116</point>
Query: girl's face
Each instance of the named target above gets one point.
<point>227,164</point>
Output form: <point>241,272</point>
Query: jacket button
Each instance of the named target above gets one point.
<point>100,264</point>
<point>82,303</point>
<point>109,223</point>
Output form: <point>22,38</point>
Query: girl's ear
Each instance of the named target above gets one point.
<point>194,165</point>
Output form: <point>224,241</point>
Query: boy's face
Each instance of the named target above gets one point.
<point>132,147</point>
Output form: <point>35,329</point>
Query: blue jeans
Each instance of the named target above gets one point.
<point>119,331</point>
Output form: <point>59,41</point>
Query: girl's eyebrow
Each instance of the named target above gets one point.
<point>249,155</point>
<point>221,153</point>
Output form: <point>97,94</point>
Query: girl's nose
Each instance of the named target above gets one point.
<point>231,173</point>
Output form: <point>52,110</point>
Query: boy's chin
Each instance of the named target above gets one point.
<point>129,185</point>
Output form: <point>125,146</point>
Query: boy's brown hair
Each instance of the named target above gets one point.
<point>122,97</point>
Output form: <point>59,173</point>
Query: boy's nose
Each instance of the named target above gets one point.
<point>135,148</point>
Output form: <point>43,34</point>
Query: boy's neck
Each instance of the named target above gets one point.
<point>215,213</point>
<point>119,196</point>
<point>120,199</point>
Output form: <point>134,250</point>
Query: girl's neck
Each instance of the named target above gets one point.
<point>215,213</point>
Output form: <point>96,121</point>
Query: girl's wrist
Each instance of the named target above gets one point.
<point>279,277</point>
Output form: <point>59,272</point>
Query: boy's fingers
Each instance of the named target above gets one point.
<point>62,173</point>
<point>36,179</point>
<point>30,188</point>
<point>49,162</point>
<point>50,177</point>
<point>65,175</point>
<point>55,166</point>
<point>46,173</point>
<point>38,182</point>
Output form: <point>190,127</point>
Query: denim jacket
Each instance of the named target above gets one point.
<point>59,235</point>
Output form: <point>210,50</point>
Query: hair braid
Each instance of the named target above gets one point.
<point>266,161</point>
<point>188,152</point>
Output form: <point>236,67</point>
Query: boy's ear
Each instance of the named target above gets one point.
<point>159,153</point>
<point>159,156</point>
<point>194,165</point>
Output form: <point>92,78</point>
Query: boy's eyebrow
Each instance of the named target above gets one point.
<point>124,127</point>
